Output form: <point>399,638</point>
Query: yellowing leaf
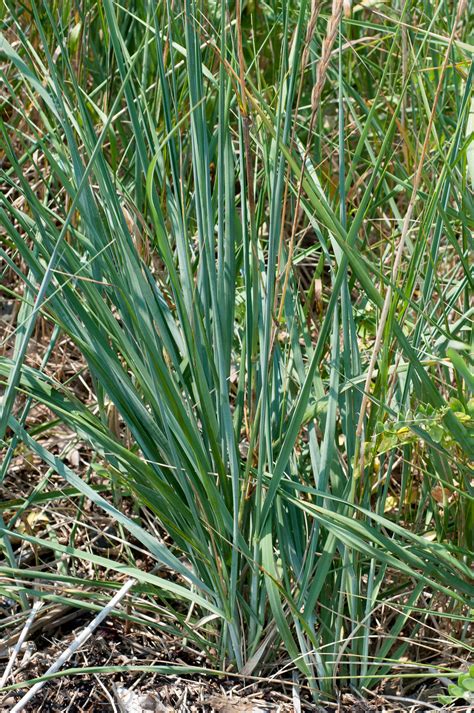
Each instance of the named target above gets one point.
<point>391,503</point>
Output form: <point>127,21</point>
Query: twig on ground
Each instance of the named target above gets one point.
<point>35,609</point>
<point>76,644</point>
<point>107,694</point>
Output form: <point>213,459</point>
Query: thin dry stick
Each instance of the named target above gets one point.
<point>76,644</point>
<point>404,98</point>
<point>328,42</point>
<point>35,609</point>
<point>401,244</point>
<point>245,113</point>
<point>310,30</point>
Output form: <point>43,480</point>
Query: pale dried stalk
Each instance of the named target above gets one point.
<point>401,244</point>
<point>245,114</point>
<point>321,71</point>
<point>35,609</point>
<point>76,644</point>
<point>310,30</point>
<point>323,64</point>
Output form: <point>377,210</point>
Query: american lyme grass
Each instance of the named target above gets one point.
<point>254,222</point>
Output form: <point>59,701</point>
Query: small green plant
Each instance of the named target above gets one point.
<point>464,688</point>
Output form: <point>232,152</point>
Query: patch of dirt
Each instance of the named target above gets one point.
<point>133,692</point>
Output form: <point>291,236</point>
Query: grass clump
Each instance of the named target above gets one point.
<point>253,222</point>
